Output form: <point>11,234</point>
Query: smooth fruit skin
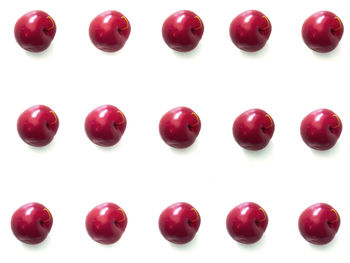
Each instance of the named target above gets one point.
<point>183,30</point>
<point>35,30</point>
<point>321,129</point>
<point>319,223</point>
<point>105,125</point>
<point>250,30</point>
<point>179,223</point>
<point>106,223</point>
<point>37,126</point>
<point>247,222</point>
<point>322,31</point>
<point>179,127</point>
<point>31,223</point>
<point>109,31</point>
<point>253,129</point>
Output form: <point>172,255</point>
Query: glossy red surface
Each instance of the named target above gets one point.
<point>35,30</point>
<point>250,30</point>
<point>105,125</point>
<point>179,127</point>
<point>322,31</point>
<point>109,31</point>
<point>247,222</point>
<point>183,30</point>
<point>321,129</point>
<point>31,223</point>
<point>179,223</point>
<point>253,129</point>
<point>106,223</point>
<point>319,223</point>
<point>37,126</point>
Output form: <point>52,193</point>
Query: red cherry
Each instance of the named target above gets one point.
<point>106,223</point>
<point>319,223</point>
<point>250,30</point>
<point>105,125</point>
<point>321,129</point>
<point>179,127</point>
<point>109,31</point>
<point>179,223</point>
<point>35,30</point>
<point>253,129</point>
<point>322,31</point>
<point>31,223</point>
<point>183,30</point>
<point>247,222</point>
<point>37,125</point>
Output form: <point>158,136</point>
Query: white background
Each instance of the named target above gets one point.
<point>142,174</point>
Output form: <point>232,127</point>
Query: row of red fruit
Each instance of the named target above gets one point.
<point>179,127</point>
<point>181,31</point>
<point>178,223</point>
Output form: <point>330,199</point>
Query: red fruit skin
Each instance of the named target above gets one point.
<point>35,31</point>
<point>179,223</point>
<point>179,127</point>
<point>322,31</point>
<point>247,222</point>
<point>321,129</point>
<point>253,129</point>
<point>31,223</point>
<point>38,125</point>
<point>319,223</point>
<point>183,30</point>
<point>105,125</point>
<point>109,31</point>
<point>250,30</point>
<point>106,223</point>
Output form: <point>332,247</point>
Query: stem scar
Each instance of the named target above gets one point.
<point>268,24</point>
<point>200,23</point>
<point>265,216</point>
<point>127,23</point>
<point>52,22</point>
<point>336,216</point>
<point>339,122</point>
<point>340,24</point>
<point>271,121</point>
<point>197,215</point>
<point>49,214</point>
<point>124,216</point>
<point>197,120</point>
<point>123,118</point>
<point>55,116</point>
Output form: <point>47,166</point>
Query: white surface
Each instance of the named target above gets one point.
<point>141,174</point>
